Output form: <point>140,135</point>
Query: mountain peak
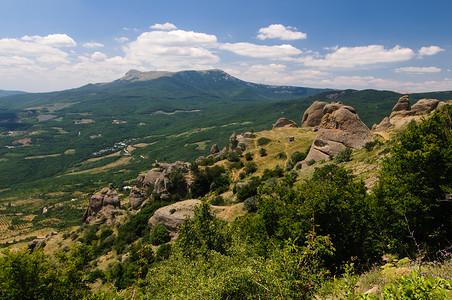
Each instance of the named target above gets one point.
<point>135,75</point>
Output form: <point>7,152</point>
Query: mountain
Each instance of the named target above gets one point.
<point>170,115</point>
<point>4,93</point>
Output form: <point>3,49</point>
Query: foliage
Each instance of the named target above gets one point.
<point>343,155</point>
<point>159,235</point>
<point>248,156</point>
<point>250,167</point>
<point>33,275</point>
<point>250,204</point>
<point>249,189</point>
<point>262,152</point>
<point>136,226</point>
<point>411,195</point>
<point>263,141</point>
<point>203,233</point>
<point>209,179</point>
<point>419,287</point>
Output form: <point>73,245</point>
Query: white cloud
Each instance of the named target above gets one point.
<point>418,70</point>
<point>52,40</point>
<point>122,39</point>
<point>172,50</point>
<point>432,50</point>
<point>166,26</point>
<point>92,45</point>
<point>278,31</point>
<point>348,57</point>
<point>272,52</point>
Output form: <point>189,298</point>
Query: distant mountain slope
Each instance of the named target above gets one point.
<point>371,105</point>
<point>4,93</point>
<point>172,90</point>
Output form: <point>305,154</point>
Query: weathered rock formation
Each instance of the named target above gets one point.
<point>165,180</point>
<point>402,113</point>
<point>172,216</point>
<point>103,204</point>
<point>313,115</point>
<point>284,122</point>
<point>339,129</point>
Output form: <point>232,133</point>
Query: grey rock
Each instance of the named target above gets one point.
<point>172,216</point>
<point>284,122</point>
<point>313,115</point>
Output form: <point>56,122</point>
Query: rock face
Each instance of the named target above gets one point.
<point>284,122</point>
<point>165,180</point>
<point>402,113</point>
<point>172,216</point>
<point>339,129</point>
<point>313,115</point>
<point>103,204</point>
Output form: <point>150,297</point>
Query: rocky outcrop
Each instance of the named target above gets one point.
<point>36,244</point>
<point>103,205</point>
<point>165,179</point>
<point>402,113</point>
<point>284,122</point>
<point>214,149</point>
<point>339,129</point>
<point>172,216</point>
<point>313,115</point>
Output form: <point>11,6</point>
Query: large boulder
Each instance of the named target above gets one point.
<point>284,122</point>
<point>313,115</point>
<point>338,130</point>
<point>103,204</point>
<point>160,180</point>
<point>172,216</point>
<point>402,113</point>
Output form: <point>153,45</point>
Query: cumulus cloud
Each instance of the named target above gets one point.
<point>92,45</point>
<point>283,52</point>
<point>432,50</point>
<point>418,70</point>
<point>52,40</point>
<point>347,57</point>
<point>122,39</point>
<point>173,50</point>
<point>166,26</point>
<point>278,31</point>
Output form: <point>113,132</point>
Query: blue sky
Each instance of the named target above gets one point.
<point>399,45</point>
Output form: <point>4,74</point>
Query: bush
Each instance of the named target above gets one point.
<point>233,156</point>
<point>263,141</point>
<point>343,155</point>
<point>248,156</point>
<point>250,204</point>
<point>163,252</point>
<point>250,167</point>
<point>218,200</point>
<point>262,152</point>
<point>159,235</point>
<point>297,156</point>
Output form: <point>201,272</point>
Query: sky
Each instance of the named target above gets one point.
<point>398,45</point>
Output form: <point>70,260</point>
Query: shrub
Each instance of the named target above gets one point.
<point>250,204</point>
<point>218,200</point>
<point>262,152</point>
<point>163,252</point>
<point>343,155</point>
<point>297,156</point>
<point>159,235</point>
<point>248,156</point>
<point>263,141</point>
<point>233,156</point>
<point>250,167</point>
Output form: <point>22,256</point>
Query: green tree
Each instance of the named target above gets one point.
<point>203,233</point>
<point>159,235</point>
<point>411,197</point>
